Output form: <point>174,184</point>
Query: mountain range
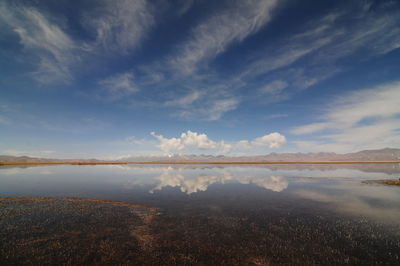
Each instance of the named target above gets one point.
<point>386,154</point>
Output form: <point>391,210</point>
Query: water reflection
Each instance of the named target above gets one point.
<point>381,203</point>
<point>176,178</point>
<point>326,216</point>
<point>335,188</point>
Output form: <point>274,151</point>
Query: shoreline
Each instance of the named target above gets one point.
<point>388,182</point>
<point>195,162</point>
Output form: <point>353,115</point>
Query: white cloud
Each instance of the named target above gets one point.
<point>273,91</point>
<point>188,139</point>
<point>118,86</point>
<point>310,128</point>
<point>243,144</point>
<point>376,103</point>
<point>217,108</point>
<point>43,37</point>
<point>204,105</point>
<point>201,141</point>
<point>169,145</point>
<point>286,55</point>
<point>197,140</point>
<point>324,41</point>
<point>186,100</point>
<point>274,88</point>
<point>321,146</point>
<point>120,25</point>
<point>273,140</point>
<point>215,34</point>
<point>209,98</point>
<point>136,141</point>
<point>363,119</point>
<point>184,6</point>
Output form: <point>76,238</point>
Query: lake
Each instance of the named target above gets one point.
<point>203,214</point>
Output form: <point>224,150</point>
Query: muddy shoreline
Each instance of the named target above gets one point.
<point>390,182</point>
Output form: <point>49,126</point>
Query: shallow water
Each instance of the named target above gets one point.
<point>170,187</point>
<point>242,214</point>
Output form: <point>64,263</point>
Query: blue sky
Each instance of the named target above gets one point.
<point>109,79</point>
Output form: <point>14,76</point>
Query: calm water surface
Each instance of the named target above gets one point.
<point>339,190</point>
<point>275,208</point>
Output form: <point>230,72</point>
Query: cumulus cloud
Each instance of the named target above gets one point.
<point>273,140</point>
<point>197,140</point>
<point>366,118</point>
<point>201,141</point>
<point>168,145</point>
<point>187,140</point>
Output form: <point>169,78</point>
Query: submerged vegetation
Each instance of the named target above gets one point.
<point>75,231</point>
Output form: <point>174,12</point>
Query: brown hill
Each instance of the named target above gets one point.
<point>387,154</point>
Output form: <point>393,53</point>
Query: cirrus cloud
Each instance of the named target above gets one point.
<point>216,33</point>
<point>118,86</point>
<point>364,119</point>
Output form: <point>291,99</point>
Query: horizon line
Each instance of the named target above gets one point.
<point>196,162</point>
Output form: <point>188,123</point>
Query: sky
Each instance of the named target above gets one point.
<point>116,78</point>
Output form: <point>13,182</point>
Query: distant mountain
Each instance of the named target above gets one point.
<point>5,158</point>
<point>22,159</point>
<point>387,154</point>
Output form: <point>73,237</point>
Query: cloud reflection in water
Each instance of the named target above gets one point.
<point>176,178</point>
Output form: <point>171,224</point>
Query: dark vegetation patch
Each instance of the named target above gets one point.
<point>68,231</point>
<point>276,238</point>
<point>52,231</point>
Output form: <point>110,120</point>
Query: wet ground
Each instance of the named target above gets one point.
<point>198,216</point>
<point>383,182</point>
